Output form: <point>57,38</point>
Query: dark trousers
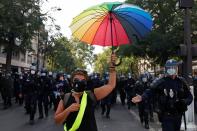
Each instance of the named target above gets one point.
<point>52,101</point>
<point>33,108</point>
<point>30,105</point>
<point>43,101</point>
<point>57,100</point>
<point>103,106</point>
<point>122,97</point>
<point>7,101</point>
<point>171,123</point>
<point>143,112</point>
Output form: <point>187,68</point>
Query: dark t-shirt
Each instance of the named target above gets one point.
<point>88,122</point>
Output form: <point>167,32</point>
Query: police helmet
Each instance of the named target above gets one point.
<point>50,73</point>
<point>171,67</point>
<point>144,77</point>
<point>33,72</point>
<point>43,72</point>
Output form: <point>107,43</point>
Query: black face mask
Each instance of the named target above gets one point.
<point>79,85</point>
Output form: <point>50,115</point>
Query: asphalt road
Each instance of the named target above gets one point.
<point>121,119</point>
<point>15,119</point>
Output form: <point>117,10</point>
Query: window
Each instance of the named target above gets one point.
<point>2,51</point>
<point>22,57</point>
<point>29,59</point>
<point>15,55</point>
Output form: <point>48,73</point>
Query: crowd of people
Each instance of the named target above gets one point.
<point>164,95</point>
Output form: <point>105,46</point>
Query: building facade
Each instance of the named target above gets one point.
<point>23,61</point>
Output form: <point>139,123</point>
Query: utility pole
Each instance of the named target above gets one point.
<point>38,52</point>
<point>187,5</point>
<point>187,42</point>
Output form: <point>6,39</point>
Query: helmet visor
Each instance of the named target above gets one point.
<point>171,70</point>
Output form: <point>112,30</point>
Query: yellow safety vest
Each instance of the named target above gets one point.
<point>80,114</point>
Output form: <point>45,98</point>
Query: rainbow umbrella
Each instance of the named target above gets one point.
<point>111,24</point>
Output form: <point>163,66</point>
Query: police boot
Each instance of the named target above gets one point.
<point>146,125</point>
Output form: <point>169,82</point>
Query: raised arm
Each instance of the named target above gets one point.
<point>103,91</point>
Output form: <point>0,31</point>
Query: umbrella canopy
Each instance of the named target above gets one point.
<point>111,24</point>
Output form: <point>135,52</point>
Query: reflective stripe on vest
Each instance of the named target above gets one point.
<point>80,114</point>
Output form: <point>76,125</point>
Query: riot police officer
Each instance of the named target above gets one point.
<point>18,89</point>
<point>121,88</point>
<point>51,86</point>
<point>43,94</point>
<point>107,101</point>
<point>7,86</point>
<point>61,87</point>
<point>130,84</point>
<point>173,96</point>
<point>143,106</point>
<point>195,91</point>
<point>95,81</point>
<point>31,90</point>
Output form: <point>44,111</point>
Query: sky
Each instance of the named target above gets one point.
<point>70,9</point>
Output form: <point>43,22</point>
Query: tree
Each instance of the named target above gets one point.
<point>19,19</point>
<point>60,57</point>
<point>67,55</point>
<point>167,34</point>
<point>128,64</point>
<point>83,53</point>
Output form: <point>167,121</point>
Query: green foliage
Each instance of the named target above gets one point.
<point>83,53</point>
<point>128,64</point>
<point>59,56</point>
<point>167,34</point>
<point>101,61</point>
<point>19,19</point>
<point>67,55</point>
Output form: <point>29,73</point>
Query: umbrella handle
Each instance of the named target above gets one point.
<point>117,64</point>
<point>120,58</point>
<point>120,61</point>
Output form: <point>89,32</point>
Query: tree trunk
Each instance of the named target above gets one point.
<point>9,51</point>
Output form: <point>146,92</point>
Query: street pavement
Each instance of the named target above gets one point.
<point>15,119</point>
<point>121,119</point>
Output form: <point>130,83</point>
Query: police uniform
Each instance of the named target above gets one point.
<point>121,88</point>
<point>173,96</point>
<point>130,86</point>
<point>106,102</point>
<point>43,96</point>
<point>195,93</point>
<point>143,106</point>
<point>31,92</point>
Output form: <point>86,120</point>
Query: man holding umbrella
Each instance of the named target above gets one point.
<point>76,111</point>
